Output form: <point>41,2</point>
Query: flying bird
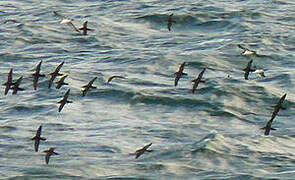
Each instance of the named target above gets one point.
<point>114,77</point>
<point>88,86</point>
<point>61,82</point>
<point>69,23</point>
<point>140,151</point>
<point>179,73</point>
<point>16,85</point>
<point>246,51</point>
<point>8,83</point>
<point>84,28</point>
<point>49,153</point>
<point>37,138</point>
<point>198,80</point>
<point>37,75</point>
<point>169,22</point>
<point>64,101</point>
<point>55,74</point>
<point>248,69</point>
<point>274,114</point>
<point>260,72</point>
<point>11,21</point>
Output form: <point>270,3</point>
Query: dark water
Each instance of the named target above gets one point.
<point>213,134</point>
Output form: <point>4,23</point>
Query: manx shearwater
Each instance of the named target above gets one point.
<point>140,151</point>
<point>198,80</point>
<point>37,138</point>
<point>64,101</point>
<point>37,75</point>
<point>114,77</point>
<point>84,28</point>
<point>260,72</point>
<point>179,73</point>
<point>246,51</point>
<point>55,74</point>
<point>16,85</point>
<point>88,86</point>
<point>274,114</point>
<point>169,22</point>
<point>49,152</point>
<point>61,82</point>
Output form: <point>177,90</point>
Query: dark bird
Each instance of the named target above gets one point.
<point>49,153</point>
<point>8,83</point>
<point>88,86</point>
<point>64,101</point>
<point>248,69</point>
<point>198,80</point>
<point>84,28</point>
<point>37,75</point>
<point>247,51</point>
<point>61,82</point>
<point>112,77</point>
<point>16,85</point>
<point>11,21</point>
<point>37,138</point>
<point>179,74</point>
<point>55,74</point>
<point>274,114</point>
<point>139,152</point>
<point>169,22</point>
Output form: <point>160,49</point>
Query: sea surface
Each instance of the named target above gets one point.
<point>212,134</point>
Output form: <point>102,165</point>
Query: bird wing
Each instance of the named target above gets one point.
<point>241,47</point>
<point>177,79</point>
<point>67,94</point>
<point>73,26</point>
<point>7,88</point>
<point>10,76</point>
<point>246,74</point>
<point>47,157</point>
<point>61,106</point>
<point>59,67</point>
<point>51,81</point>
<point>195,86</point>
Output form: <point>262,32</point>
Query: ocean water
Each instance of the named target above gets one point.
<point>212,134</point>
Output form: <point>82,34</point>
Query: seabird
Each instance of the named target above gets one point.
<point>260,72</point>
<point>37,138</point>
<point>16,85</point>
<point>84,28</point>
<point>49,153</point>
<point>198,80</point>
<point>88,86</point>
<point>61,82</point>
<point>54,74</point>
<point>247,51</point>
<point>179,74</point>
<point>37,75</point>
<point>169,22</point>
<point>248,69</point>
<point>69,22</point>
<point>274,114</point>
<point>115,76</point>
<point>10,20</point>
<point>8,82</point>
<point>139,152</point>
<point>64,101</point>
